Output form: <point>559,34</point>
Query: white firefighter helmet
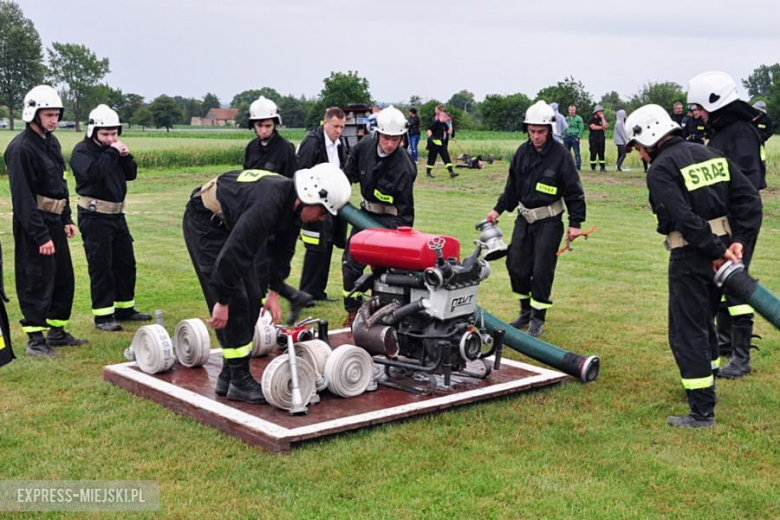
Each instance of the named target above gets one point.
<point>263,108</point>
<point>649,124</point>
<point>540,113</point>
<point>40,97</point>
<point>391,121</point>
<point>760,105</point>
<point>324,184</point>
<point>712,90</point>
<point>102,116</point>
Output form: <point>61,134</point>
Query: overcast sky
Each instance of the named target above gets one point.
<point>427,48</point>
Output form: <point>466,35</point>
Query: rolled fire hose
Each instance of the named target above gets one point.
<point>264,339</point>
<point>349,370</point>
<point>736,282</point>
<point>584,368</point>
<point>277,382</point>
<point>153,349</point>
<point>191,343</point>
<point>316,352</point>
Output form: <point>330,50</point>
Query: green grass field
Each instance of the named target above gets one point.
<point>600,450</point>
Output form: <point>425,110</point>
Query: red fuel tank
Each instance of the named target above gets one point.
<point>402,248</point>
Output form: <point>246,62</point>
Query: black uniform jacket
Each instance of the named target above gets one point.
<point>36,167</point>
<point>101,172</point>
<point>596,135</point>
<point>276,156</point>
<point>312,150</point>
<point>695,129</point>
<point>439,131</point>
<point>538,179</point>
<point>690,184</point>
<point>414,125</point>
<point>735,136</point>
<point>254,207</point>
<point>389,180</point>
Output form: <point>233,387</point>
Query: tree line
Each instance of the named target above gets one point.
<point>78,74</point>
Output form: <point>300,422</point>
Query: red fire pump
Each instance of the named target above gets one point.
<point>420,317</point>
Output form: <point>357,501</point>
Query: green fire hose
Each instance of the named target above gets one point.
<point>738,283</point>
<point>582,367</point>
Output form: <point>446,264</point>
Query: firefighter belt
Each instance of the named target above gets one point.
<point>208,194</point>
<point>101,206</point>
<point>720,226</point>
<point>56,206</point>
<point>379,209</point>
<point>532,215</point>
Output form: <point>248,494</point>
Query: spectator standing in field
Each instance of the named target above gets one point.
<point>576,127</point>
<point>561,126</point>
<point>733,134</point>
<point>678,116</point>
<point>42,225</point>
<point>597,125</point>
<point>414,133</point>
<point>709,212</point>
<point>620,138</point>
<point>102,165</point>
<point>323,145</point>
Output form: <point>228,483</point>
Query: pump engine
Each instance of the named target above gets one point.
<point>420,316</point>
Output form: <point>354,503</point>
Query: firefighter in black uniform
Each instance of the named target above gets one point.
<point>322,145</point>
<point>597,141</point>
<point>102,165</point>
<point>541,177</point>
<point>695,129</point>
<point>386,174</point>
<point>763,122</point>
<point>227,222</point>
<point>272,152</point>
<point>732,133</point>
<point>438,137</point>
<point>709,212</point>
<point>42,225</point>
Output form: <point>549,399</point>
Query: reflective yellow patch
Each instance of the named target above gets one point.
<point>544,188</point>
<point>706,173</point>
<point>384,198</point>
<point>253,175</point>
<point>2,342</point>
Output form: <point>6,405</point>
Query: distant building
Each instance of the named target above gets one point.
<point>216,117</point>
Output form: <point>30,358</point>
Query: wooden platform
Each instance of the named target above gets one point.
<point>190,392</point>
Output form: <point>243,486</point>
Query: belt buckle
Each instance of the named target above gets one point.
<point>216,220</point>
<point>92,206</point>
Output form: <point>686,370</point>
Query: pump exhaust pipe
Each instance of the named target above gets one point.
<point>585,368</point>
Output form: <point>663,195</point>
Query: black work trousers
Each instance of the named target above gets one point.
<point>433,151</point>
<point>597,148</point>
<point>318,241</point>
<point>351,269</point>
<point>111,260</point>
<point>693,301</point>
<point>532,259</point>
<point>44,284</point>
<point>205,235</point>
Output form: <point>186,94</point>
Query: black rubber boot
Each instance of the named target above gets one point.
<point>223,380</point>
<point>723,327</point>
<point>36,346</point>
<point>243,386</point>
<point>108,325</point>
<point>132,315</point>
<point>59,337</point>
<point>298,301</point>
<point>739,366</point>
<point>536,327</point>
<point>525,315</point>
<point>702,414</point>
